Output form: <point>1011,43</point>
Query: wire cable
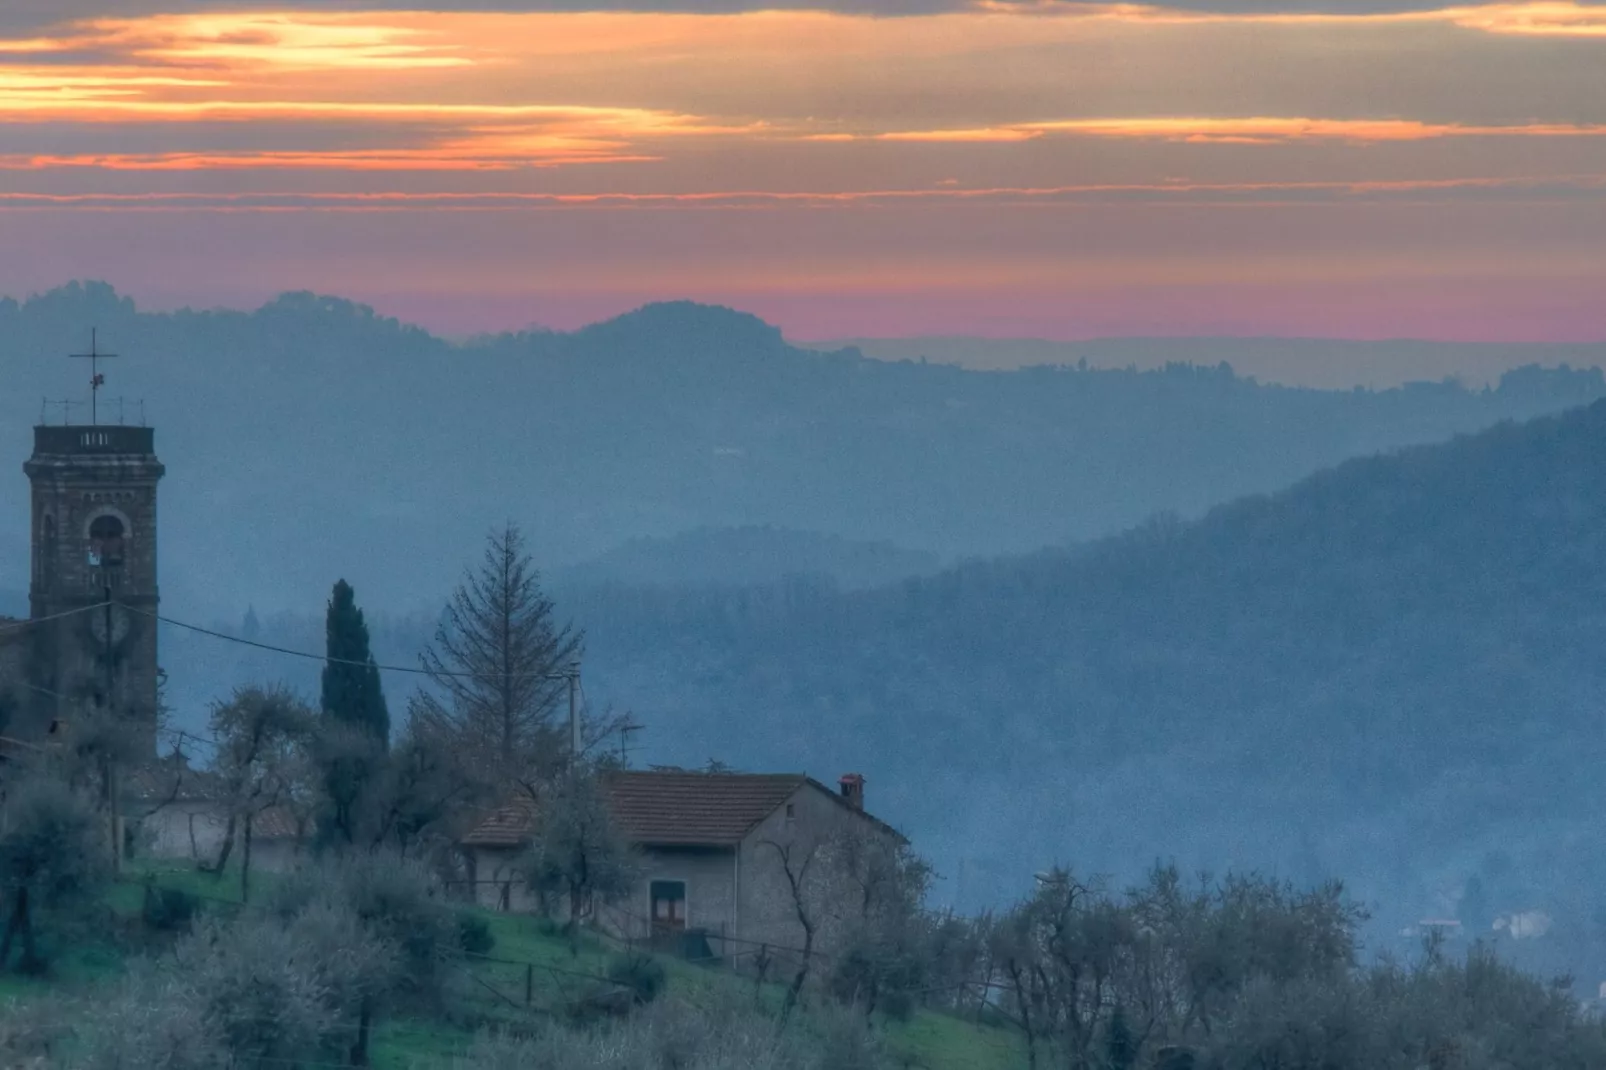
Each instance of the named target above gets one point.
<point>18,626</point>
<point>344,661</point>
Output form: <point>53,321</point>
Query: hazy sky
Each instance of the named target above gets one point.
<point>878,168</point>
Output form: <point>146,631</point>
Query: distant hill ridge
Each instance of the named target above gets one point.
<point>1321,363</point>
<point>313,438</point>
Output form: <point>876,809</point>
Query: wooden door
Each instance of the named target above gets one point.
<point>668,910</point>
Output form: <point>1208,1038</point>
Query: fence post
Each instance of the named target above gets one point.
<point>529,984</point>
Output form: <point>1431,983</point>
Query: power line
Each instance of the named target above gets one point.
<point>346,661</point>
<point>21,624</point>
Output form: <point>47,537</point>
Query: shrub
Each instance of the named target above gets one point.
<point>399,903</point>
<point>642,975</point>
<point>260,993</point>
<point>474,934</point>
<point>168,910</point>
<point>846,1041</point>
<point>670,1034</point>
<point>878,978</point>
<point>31,1031</point>
<point>261,989</point>
<point>54,859</point>
<point>150,1019</point>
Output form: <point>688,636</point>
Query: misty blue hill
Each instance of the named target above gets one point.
<point>1391,672</point>
<point>748,555</point>
<point>1331,363</point>
<point>312,438</point>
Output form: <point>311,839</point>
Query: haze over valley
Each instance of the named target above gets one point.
<point>1060,595</point>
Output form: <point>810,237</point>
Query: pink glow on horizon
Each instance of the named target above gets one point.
<point>1483,314</point>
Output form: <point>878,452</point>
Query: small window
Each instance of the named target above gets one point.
<point>791,811</point>
<point>668,907</point>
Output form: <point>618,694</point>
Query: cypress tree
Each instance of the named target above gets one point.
<point>351,690</point>
<point>1120,1046</point>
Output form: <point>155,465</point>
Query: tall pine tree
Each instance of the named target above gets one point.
<point>497,667</point>
<point>351,691</point>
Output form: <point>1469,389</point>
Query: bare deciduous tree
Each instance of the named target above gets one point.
<point>497,666</point>
<point>797,858</point>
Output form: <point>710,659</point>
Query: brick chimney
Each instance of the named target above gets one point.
<point>853,790</point>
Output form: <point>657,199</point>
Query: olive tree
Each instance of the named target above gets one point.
<point>577,851</point>
<point>53,858</point>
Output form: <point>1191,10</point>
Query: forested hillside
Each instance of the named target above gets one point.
<point>748,555</point>
<point>1391,671</point>
<point>311,438</point>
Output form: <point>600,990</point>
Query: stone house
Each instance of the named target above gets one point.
<point>716,850</point>
<point>172,812</point>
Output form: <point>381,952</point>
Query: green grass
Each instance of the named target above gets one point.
<point>942,1042</point>
<point>495,992</point>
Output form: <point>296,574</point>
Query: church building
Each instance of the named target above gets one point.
<point>90,641</point>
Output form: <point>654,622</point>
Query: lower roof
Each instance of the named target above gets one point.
<point>669,808</point>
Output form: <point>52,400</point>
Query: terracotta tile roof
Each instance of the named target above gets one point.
<point>156,781</point>
<point>715,809</point>
<point>669,808</point>
<point>507,826</point>
<point>276,823</point>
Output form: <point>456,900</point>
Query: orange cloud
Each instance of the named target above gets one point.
<point>982,134</point>
<point>1537,18</point>
<point>1250,131</point>
<point>296,41</point>
<point>1534,19</point>
<point>477,91</point>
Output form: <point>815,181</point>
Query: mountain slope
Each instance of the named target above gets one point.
<point>1392,670</point>
<point>748,555</point>
<point>311,439</point>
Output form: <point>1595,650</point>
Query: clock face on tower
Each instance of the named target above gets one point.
<point>119,625</point>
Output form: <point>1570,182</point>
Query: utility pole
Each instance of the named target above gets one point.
<point>112,801</point>
<point>574,713</point>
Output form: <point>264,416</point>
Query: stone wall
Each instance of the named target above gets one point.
<point>708,873</point>
<point>193,831</point>
<point>190,831</point>
<point>809,830</point>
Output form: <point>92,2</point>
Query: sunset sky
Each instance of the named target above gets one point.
<point>1045,169</point>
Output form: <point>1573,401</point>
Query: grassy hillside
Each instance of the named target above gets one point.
<point>531,975</point>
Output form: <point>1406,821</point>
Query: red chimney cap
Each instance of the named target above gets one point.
<point>852,778</point>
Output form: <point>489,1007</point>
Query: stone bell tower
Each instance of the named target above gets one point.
<point>94,572</point>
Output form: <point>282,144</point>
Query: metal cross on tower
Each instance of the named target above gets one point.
<point>96,379</point>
